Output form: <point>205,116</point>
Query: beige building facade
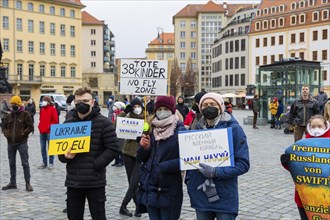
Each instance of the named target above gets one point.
<point>41,41</point>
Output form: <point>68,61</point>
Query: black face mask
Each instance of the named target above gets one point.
<point>195,108</point>
<point>82,108</point>
<point>210,112</point>
<point>15,108</point>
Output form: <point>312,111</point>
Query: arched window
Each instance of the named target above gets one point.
<point>281,22</point>
<point>273,9</point>
<point>301,4</point>
<point>315,16</point>
<point>265,24</point>
<point>265,11</point>
<point>293,19</point>
<point>302,18</point>
<point>30,6</point>
<point>258,12</point>
<point>325,15</point>
<point>293,5</point>
<point>281,8</point>
<point>257,25</point>
<point>273,23</point>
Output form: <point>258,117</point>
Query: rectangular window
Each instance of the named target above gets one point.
<point>93,64</point>
<point>324,54</point>
<point>265,42</point>
<point>293,54</point>
<point>301,37</point>
<point>52,28</point>
<point>264,60</point>
<point>5,3</point>
<point>31,72</point>
<point>19,46</point>
<point>314,35</point>
<point>73,71</point>
<point>193,55</point>
<point>63,70</point>
<point>42,70</point>
<point>226,82</point>
<point>314,55</point>
<point>5,44</point>
<point>257,61</point>
<point>226,64</point>
<point>72,14</point>
<point>62,29</point>
<point>293,38</point>
<point>93,53</point>
<point>280,56</point>
<point>52,71</point>
<point>93,42</point>
<point>62,12</point>
<point>193,44</point>
<point>231,80</point>
<point>302,55</point>
<point>5,22</point>
<point>272,59</point>
<point>30,26</point>
<point>20,70</point>
<point>193,34</point>
<point>72,31</point>
<point>182,55</point>
<point>243,45</point>
<point>31,46</point>
<point>325,75</point>
<point>280,40</point>
<point>236,79</point>
<point>182,45</point>
<point>231,47</point>
<point>72,51</point>
<point>62,49</point>
<point>242,62</point>
<point>19,25</point>
<point>227,47</point>
<point>93,31</point>
<point>182,23</point>
<point>182,34</point>
<point>257,42</point>
<point>231,63</point>
<point>236,45</point>
<point>272,41</point>
<point>243,79</point>
<point>52,49</point>
<point>324,34</point>
<point>236,62</point>
<point>42,48</point>
<point>42,27</point>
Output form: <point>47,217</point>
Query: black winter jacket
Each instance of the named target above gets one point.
<point>301,111</point>
<point>88,170</point>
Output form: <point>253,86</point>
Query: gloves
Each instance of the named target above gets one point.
<point>285,158</point>
<point>210,191</point>
<point>207,171</point>
<point>128,108</point>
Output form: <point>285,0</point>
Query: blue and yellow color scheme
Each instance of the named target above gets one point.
<point>75,136</point>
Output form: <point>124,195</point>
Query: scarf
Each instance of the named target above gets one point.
<point>164,128</point>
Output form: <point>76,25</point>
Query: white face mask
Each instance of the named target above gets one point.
<point>137,110</point>
<point>30,101</point>
<point>316,131</point>
<point>114,108</point>
<point>44,103</point>
<point>163,114</point>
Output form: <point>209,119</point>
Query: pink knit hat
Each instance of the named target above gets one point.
<point>166,101</point>
<point>216,97</point>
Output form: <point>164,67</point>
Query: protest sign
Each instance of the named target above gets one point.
<point>143,77</point>
<point>129,128</point>
<point>75,136</point>
<point>213,147</point>
<point>309,166</point>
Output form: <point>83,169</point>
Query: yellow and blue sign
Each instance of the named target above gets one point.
<point>75,136</point>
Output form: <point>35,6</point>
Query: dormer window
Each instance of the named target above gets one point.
<point>257,25</point>
<point>315,16</point>
<point>301,4</point>
<point>311,2</point>
<point>272,23</point>
<point>281,8</point>
<point>281,22</point>
<point>273,9</point>
<point>293,5</point>
<point>258,12</point>
<point>265,11</point>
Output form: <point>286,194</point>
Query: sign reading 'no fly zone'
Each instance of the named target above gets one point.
<point>143,77</point>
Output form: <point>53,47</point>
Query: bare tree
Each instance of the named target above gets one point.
<point>176,79</point>
<point>190,86</point>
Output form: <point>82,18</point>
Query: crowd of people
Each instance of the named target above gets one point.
<point>152,161</point>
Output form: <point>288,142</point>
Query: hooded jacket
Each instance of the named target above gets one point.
<point>48,116</point>
<point>88,170</point>
<point>182,108</point>
<point>225,179</point>
<point>17,126</point>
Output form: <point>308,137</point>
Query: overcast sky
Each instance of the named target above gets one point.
<point>134,23</point>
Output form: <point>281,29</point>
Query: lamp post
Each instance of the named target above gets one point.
<point>160,37</point>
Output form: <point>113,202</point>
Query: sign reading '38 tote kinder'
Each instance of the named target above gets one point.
<point>143,77</point>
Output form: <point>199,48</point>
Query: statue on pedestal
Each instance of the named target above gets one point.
<point>4,85</point>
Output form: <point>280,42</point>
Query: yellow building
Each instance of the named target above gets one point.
<point>41,44</point>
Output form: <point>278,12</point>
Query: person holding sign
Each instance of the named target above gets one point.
<point>86,172</point>
<point>17,126</point>
<point>160,178</point>
<point>317,127</point>
<point>213,191</point>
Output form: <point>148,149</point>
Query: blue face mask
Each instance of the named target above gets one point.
<point>162,114</point>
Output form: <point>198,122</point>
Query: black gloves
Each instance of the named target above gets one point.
<point>285,158</point>
<point>128,108</point>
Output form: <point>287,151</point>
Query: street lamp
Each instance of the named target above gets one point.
<point>160,37</point>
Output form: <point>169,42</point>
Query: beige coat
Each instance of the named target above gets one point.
<point>327,111</point>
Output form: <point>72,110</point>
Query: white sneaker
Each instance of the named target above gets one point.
<point>51,166</point>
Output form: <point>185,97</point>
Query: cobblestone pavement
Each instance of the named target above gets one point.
<point>266,191</point>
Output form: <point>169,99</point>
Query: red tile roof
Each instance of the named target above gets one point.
<point>167,37</point>
<point>71,2</point>
<point>89,19</point>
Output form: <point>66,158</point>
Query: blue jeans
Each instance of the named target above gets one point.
<point>158,214</point>
<point>23,152</point>
<point>44,141</point>
<point>213,215</point>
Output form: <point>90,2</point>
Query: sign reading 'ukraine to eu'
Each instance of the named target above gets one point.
<point>310,169</point>
<point>75,136</point>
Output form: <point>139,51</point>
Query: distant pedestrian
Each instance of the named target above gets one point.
<point>31,108</point>
<point>48,116</point>
<point>213,191</point>
<point>109,103</point>
<point>302,109</point>
<point>181,107</point>
<point>4,110</point>
<point>16,128</point>
<point>150,105</point>
<point>194,115</point>
<point>322,99</point>
<point>327,110</point>
<point>229,107</point>
<point>279,112</point>
<point>118,108</point>
<point>86,172</point>
<point>255,109</point>
<point>273,110</point>
<point>160,179</point>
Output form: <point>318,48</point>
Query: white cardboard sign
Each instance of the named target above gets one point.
<point>213,147</point>
<point>129,128</point>
<point>143,77</point>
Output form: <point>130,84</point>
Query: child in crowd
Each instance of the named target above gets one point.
<point>318,127</point>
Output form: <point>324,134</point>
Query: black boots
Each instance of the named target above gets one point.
<point>28,187</point>
<point>124,211</point>
<point>10,186</point>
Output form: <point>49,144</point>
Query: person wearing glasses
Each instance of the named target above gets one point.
<point>213,191</point>
<point>86,172</point>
